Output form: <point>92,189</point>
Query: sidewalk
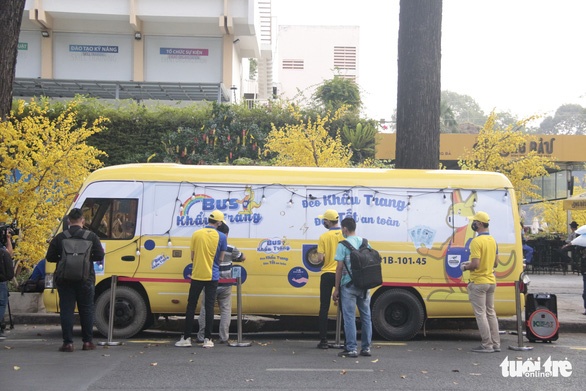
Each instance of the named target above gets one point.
<point>567,288</point>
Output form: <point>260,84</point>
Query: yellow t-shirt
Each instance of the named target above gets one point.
<point>204,245</point>
<point>483,247</point>
<point>327,244</point>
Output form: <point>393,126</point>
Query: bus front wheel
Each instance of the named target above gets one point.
<point>130,312</point>
<point>397,314</point>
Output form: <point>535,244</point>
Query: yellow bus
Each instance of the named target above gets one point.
<point>145,215</point>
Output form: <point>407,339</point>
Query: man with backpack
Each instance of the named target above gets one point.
<point>75,250</point>
<point>353,295</point>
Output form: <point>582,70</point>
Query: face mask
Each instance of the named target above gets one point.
<point>325,224</point>
<point>474,226</point>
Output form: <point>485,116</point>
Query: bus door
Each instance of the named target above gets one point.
<point>112,211</point>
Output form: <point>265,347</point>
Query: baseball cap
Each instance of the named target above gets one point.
<point>330,214</point>
<point>217,215</point>
<point>483,217</point>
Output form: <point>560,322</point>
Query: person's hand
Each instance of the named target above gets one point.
<point>463,265</point>
<point>335,296</point>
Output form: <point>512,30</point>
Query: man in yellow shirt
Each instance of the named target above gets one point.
<point>483,260</point>
<point>326,249</point>
<point>208,246</point>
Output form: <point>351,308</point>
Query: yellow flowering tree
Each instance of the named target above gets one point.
<point>498,150</point>
<point>307,144</point>
<point>44,160</point>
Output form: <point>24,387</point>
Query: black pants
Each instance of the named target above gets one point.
<point>210,294</point>
<point>327,284</point>
<point>80,293</point>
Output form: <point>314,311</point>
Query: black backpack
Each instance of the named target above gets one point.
<point>75,263</point>
<point>365,265</point>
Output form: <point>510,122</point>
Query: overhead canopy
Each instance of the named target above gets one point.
<point>577,202</point>
<point>54,88</point>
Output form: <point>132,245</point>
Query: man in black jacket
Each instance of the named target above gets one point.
<point>76,292</point>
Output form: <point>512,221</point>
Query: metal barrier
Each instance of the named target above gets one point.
<point>114,282</point>
<point>239,343</point>
<point>519,347</point>
<point>337,344</point>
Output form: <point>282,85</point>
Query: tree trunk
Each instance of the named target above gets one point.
<point>419,84</point>
<point>10,19</point>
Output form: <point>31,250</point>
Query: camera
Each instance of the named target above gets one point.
<point>12,229</point>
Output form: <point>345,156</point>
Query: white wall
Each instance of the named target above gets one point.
<point>315,46</point>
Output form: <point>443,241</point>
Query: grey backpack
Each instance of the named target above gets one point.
<point>75,263</point>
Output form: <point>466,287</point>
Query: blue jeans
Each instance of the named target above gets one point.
<point>3,299</point>
<point>351,298</point>
<point>80,293</point>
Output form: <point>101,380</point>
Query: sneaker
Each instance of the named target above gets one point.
<point>323,344</point>
<point>183,343</point>
<point>482,349</point>
<point>346,353</point>
<point>365,352</point>
<point>496,348</point>
<point>207,343</point>
<point>199,340</point>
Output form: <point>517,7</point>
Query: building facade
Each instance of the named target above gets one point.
<point>309,55</point>
<point>143,49</point>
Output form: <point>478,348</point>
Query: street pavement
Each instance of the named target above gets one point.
<point>440,358</point>
<point>568,289</point>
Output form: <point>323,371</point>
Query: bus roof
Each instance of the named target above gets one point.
<point>310,176</point>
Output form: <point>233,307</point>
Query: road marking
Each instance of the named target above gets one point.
<point>390,343</point>
<point>23,340</point>
<point>577,348</point>
<point>317,370</point>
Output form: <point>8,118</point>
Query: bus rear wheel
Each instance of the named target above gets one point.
<point>397,314</point>
<point>130,313</point>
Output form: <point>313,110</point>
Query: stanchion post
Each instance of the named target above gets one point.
<point>337,344</point>
<point>114,282</point>
<point>239,343</point>
<point>519,320</point>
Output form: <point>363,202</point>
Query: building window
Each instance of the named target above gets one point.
<point>293,64</point>
<point>349,77</point>
<point>345,57</point>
